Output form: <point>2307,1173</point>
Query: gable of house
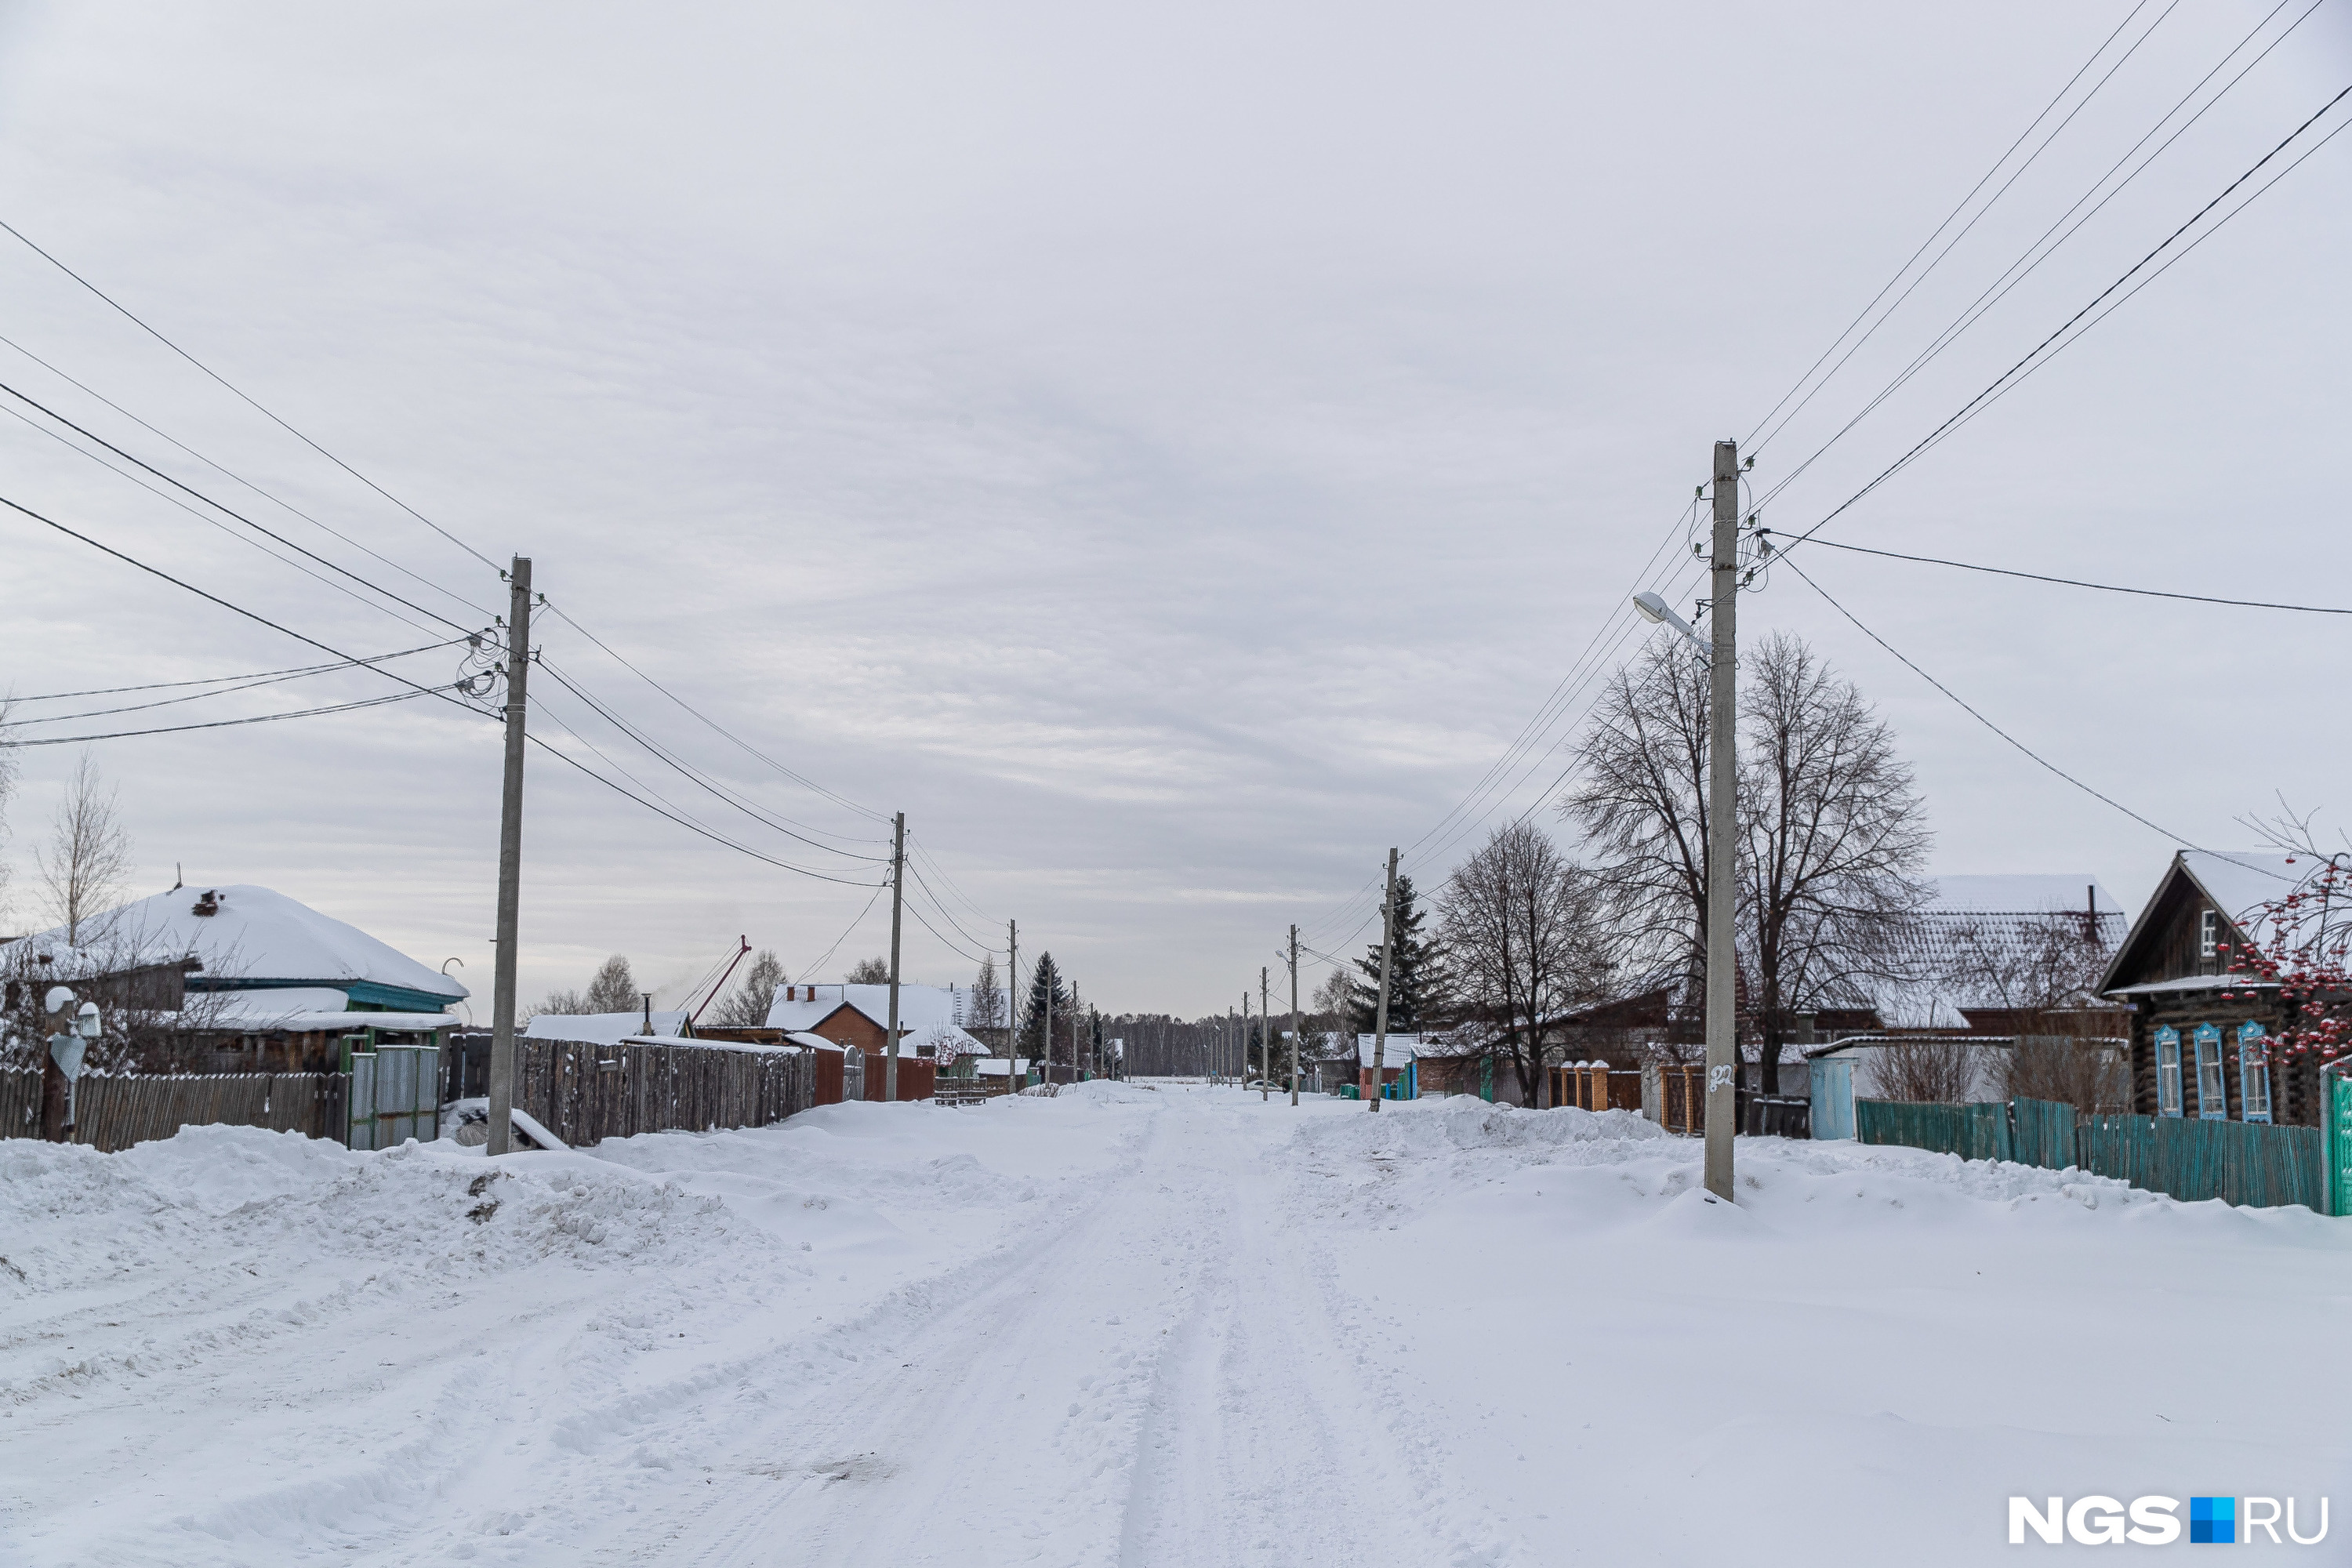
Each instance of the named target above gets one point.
<point>2207,910</point>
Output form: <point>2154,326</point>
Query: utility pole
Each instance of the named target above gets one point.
<point>1388,946</point>
<point>502,984</point>
<point>1011,1007</point>
<point>1077,1019</point>
<point>1722,781</point>
<point>1045,1045</point>
<point>1294,1015</point>
<point>898,882</point>
<point>1244,1039</point>
<point>1265,1041</point>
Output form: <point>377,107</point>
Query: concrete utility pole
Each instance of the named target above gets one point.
<point>1244,1039</point>
<point>897,879</point>
<point>1388,953</point>
<point>502,984</point>
<point>1011,1007</point>
<point>1078,1026</point>
<point>1722,781</point>
<point>1294,1015</point>
<point>1045,1043</point>
<point>1265,1041</point>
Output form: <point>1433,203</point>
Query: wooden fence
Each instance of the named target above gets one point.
<point>584,1093</point>
<point>2241,1162</point>
<point>111,1113</point>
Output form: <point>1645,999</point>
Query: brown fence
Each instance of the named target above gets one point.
<point>584,1093</point>
<point>111,1113</point>
<point>1682,1098</point>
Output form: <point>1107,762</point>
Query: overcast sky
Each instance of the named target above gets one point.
<point>1169,452</point>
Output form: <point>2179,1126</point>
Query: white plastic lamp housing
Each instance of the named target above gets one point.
<point>59,998</point>
<point>86,1021</point>
<point>1652,608</point>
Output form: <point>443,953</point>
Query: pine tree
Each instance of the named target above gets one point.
<point>1416,975</point>
<point>1044,980</point>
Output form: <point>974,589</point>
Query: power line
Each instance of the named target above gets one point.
<point>1751,444</point>
<point>125,311</point>
<point>2025,749</point>
<point>419,690</point>
<point>692,775</point>
<point>2028,261</point>
<point>818,963</point>
<point>2014,373</point>
<point>744,746</point>
<point>231,474</point>
<point>2078,583</point>
<point>227,724</point>
<point>256,677</point>
<point>217,506</point>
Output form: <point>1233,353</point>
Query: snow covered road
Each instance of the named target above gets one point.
<point>1121,1326</point>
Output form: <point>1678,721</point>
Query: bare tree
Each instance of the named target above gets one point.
<point>613,989</point>
<point>984,1016</point>
<point>83,864</point>
<point>1832,834</point>
<point>1833,838</point>
<point>869,972</point>
<point>1640,805</point>
<point>1518,923</point>
<point>7,795</point>
<point>747,1006</point>
<point>1937,1069</point>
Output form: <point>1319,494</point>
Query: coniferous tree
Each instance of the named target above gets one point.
<point>1416,974</point>
<point>1044,980</point>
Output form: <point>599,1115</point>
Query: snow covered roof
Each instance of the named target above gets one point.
<point>603,1029</point>
<point>301,1010</point>
<point>920,1006</point>
<point>1402,1048</point>
<point>2238,882</point>
<point>250,933</point>
<point>2036,892</point>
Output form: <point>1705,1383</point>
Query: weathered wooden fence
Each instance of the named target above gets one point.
<point>584,1093</point>
<point>2243,1162</point>
<point>111,1113</point>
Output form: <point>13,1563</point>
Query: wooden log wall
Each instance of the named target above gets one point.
<point>585,1092</point>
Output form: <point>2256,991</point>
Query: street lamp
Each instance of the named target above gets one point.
<point>1657,611</point>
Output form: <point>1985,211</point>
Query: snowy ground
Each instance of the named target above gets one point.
<point>1129,1326</point>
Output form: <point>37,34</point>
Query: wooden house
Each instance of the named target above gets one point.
<point>2200,1035</point>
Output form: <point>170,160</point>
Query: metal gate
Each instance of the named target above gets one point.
<point>1832,1097</point>
<point>396,1096</point>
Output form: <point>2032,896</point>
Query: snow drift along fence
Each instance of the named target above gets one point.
<point>585,1092</point>
<point>111,1112</point>
<point>2241,1162</point>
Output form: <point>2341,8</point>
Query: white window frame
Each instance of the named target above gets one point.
<point>2254,1072</point>
<point>2209,1064</point>
<point>2168,1071</point>
<point>2209,934</point>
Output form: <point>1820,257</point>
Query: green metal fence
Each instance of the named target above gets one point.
<point>2241,1162</point>
<point>1971,1131</point>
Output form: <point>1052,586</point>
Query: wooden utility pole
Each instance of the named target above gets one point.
<point>1266,1040</point>
<point>502,983</point>
<point>898,880</point>
<point>1045,1044</point>
<point>1294,1015</point>
<point>1244,1039</point>
<point>1011,1007</point>
<point>1078,1018</point>
<point>1722,782</point>
<point>1387,949</point>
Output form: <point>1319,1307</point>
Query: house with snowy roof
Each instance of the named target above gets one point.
<point>265,983</point>
<point>932,1018</point>
<point>2201,1035</point>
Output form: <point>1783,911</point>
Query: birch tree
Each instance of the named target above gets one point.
<point>1518,921</point>
<point>83,864</point>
